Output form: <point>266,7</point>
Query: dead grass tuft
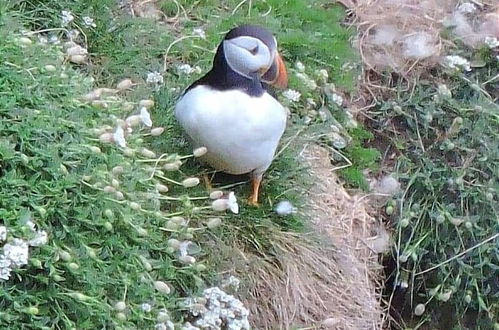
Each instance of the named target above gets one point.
<point>404,37</point>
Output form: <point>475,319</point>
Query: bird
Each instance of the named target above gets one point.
<point>232,110</point>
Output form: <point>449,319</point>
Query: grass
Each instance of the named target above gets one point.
<point>444,134</point>
<point>55,172</point>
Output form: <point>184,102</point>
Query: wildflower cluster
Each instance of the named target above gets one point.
<point>217,310</point>
<point>15,251</point>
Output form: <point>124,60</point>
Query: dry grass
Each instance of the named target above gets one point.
<point>404,37</point>
<point>326,279</point>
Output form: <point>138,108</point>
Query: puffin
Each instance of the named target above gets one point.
<point>232,110</point>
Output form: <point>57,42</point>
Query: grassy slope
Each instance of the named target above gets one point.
<point>446,146</point>
<point>45,151</point>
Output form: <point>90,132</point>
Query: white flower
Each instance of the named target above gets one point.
<point>337,99</point>
<point>154,78</point>
<point>232,203</point>
<point>457,62</point>
<point>300,66</point>
<point>42,39</point>
<point>89,22</point>
<point>31,225</point>
<point>292,95</point>
<point>41,238</point>
<point>284,208</point>
<point>311,102</point>
<point>185,69</point>
<point>17,252</point>
<point>146,307</point>
<point>145,117</point>
<point>467,8</point>
<point>53,39</point>
<point>5,267</point>
<point>119,136</point>
<point>322,73</point>
<point>310,83</point>
<point>199,32</point>
<point>233,282</point>
<point>67,17</point>
<point>491,42</point>
<point>3,233</point>
<point>183,246</point>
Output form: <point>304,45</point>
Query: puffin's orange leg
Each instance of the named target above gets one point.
<point>255,187</point>
<point>207,182</point>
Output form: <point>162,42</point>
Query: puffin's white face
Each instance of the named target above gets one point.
<point>248,55</point>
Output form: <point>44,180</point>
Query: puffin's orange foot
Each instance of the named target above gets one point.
<point>253,201</point>
<point>255,187</point>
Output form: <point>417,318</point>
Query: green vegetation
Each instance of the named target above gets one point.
<point>108,225</point>
<point>444,134</point>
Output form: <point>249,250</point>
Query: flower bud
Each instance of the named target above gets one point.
<point>109,214</point>
<point>36,263</point>
<point>109,189</point>
<point>124,84</point>
<point>121,316</point>
<point>65,256</point>
<point>216,194</point>
<point>161,188</point>
<point>24,41</point>
<point>147,265</point>
<point>419,310</point>
<point>404,222</point>
<point>32,310</point>
<point>120,306</point>
<point>157,131</point>
<point>128,152</point>
<point>200,267</point>
<point>187,260</point>
<point>73,266</point>
<point>146,104</point>
<point>119,195</point>
<point>201,151</point>
<point>142,232</point>
<point>77,59</point>
<point>58,278</point>
<point>135,206</point>
<point>95,150</point>
<point>174,166</point>
<point>190,182</point>
<point>174,243</point>
<point>50,68</point>
<point>117,170</point>
<point>133,120</point>
<point>115,183</point>
<point>108,226</point>
<point>214,222</point>
<point>178,220</point>
<point>147,153</point>
<point>106,138</point>
<point>162,287</point>
<point>219,205</point>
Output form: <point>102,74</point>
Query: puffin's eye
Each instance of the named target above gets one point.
<point>254,50</point>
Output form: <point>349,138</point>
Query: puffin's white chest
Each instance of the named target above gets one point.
<point>240,132</point>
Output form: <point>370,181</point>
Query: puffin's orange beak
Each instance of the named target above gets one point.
<point>277,75</point>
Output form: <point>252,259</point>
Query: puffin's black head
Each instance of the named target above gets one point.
<point>252,51</point>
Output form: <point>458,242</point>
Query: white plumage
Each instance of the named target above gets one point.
<point>241,132</point>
